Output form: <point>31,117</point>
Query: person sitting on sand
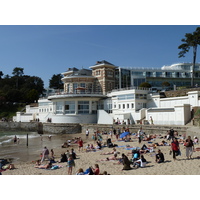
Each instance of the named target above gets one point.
<point>73,154</point>
<point>140,163</point>
<point>63,158</point>
<point>196,140</point>
<point>64,145</point>
<point>126,162</point>
<point>96,170</point>
<point>38,163</point>
<point>89,171</point>
<point>99,146</point>
<point>87,149</point>
<point>144,149</point>
<point>52,153</point>
<point>160,157</point>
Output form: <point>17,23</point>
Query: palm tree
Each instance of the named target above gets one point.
<point>190,40</point>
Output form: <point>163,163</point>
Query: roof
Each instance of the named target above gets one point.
<point>103,62</point>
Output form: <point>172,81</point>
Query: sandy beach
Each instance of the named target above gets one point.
<point>181,166</point>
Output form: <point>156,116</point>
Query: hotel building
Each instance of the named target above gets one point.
<point>106,93</point>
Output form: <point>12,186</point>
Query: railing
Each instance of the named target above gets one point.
<point>71,94</point>
<point>131,88</point>
<point>74,93</point>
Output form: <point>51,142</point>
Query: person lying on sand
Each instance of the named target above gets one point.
<point>47,166</point>
<point>110,152</point>
<point>114,157</point>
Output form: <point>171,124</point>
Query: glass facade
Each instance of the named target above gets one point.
<point>126,96</point>
<point>83,107</point>
<point>125,78</point>
<point>69,107</point>
<point>59,107</point>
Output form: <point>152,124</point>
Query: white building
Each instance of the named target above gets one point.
<point>90,96</point>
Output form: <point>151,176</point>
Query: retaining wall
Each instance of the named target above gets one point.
<point>51,128</point>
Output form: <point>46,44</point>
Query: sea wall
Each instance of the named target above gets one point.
<point>18,126</point>
<point>148,129</point>
<point>64,128</point>
<point>46,128</point>
<point>61,128</point>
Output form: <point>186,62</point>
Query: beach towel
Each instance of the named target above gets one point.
<point>130,148</point>
<point>121,146</point>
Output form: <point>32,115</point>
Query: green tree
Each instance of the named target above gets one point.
<point>32,96</point>
<point>34,82</point>
<point>145,85</point>
<point>190,40</point>
<point>56,82</point>
<point>165,84</point>
<point>1,74</point>
<point>18,71</point>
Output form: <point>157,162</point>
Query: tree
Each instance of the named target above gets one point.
<point>1,74</point>
<point>34,82</point>
<point>32,96</point>
<point>18,71</point>
<point>56,82</point>
<point>190,40</point>
<point>165,84</point>
<point>145,85</point>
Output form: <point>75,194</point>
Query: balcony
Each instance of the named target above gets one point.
<point>61,95</point>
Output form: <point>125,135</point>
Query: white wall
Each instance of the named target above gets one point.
<point>85,118</point>
<point>170,102</point>
<point>23,117</point>
<point>103,117</point>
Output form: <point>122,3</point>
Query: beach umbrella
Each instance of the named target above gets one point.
<point>124,134</point>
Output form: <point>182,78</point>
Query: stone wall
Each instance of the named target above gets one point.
<point>179,93</point>
<point>18,126</point>
<point>50,128</point>
<point>148,129</point>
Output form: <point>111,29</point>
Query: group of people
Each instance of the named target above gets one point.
<point>137,160</point>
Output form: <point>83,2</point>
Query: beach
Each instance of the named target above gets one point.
<point>181,166</point>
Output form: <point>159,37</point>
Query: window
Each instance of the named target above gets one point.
<point>69,107</point>
<point>132,105</point>
<point>127,105</point>
<point>83,107</point>
<point>110,73</point>
<point>59,107</point>
<point>123,106</point>
<point>98,73</point>
<point>119,106</point>
<point>126,96</point>
<point>67,88</point>
<point>75,85</point>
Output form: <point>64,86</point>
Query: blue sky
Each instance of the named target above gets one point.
<point>46,50</point>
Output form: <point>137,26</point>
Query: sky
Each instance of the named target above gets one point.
<point>45,50</point>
